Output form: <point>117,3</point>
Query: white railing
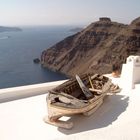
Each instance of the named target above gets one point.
<point>15,93</point>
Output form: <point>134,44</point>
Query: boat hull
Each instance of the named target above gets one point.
<point>70,98</point>
<point>57,111</point>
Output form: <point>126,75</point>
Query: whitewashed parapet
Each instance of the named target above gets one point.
<point>131,72</point>
<point>14,93</point>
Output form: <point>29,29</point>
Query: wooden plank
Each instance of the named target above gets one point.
<point>85,90</point>
<point>68,99</point>
<point>94,76</point>
<point>90,112</point>
<point>90,82</point>
<point>59,123</point>
<point>106,86</point>
<point>96,90</point>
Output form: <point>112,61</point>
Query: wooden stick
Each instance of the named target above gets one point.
<point>95,90</point>
<point>90,82</point>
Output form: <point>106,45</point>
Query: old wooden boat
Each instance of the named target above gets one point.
<point>80,95</point>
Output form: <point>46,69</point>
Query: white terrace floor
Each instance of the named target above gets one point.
<point>117,119</point>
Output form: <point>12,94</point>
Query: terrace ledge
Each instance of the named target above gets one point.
<point>14,93</point>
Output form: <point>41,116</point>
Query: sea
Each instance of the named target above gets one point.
<point>18,49</point>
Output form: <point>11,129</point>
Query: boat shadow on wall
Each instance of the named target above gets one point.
<point>109,111</point>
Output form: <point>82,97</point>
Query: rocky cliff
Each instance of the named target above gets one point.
<point>95,48</point>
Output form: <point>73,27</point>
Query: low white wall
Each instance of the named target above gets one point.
<point>14,93</point>
<point>127,82</point>
<point>137,74</point>
<point>130,75</point>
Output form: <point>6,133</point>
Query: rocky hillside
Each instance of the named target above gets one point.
<point>96,48</point>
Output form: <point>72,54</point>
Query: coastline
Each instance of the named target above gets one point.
<point>54,70</point>
<point>18,52</point>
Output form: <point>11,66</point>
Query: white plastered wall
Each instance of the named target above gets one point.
<point>130,73</point>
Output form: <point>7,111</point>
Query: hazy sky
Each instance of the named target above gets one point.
<point>63,12</point>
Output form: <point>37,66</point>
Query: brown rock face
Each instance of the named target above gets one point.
<point>94,49</point>
<point>105,19</point>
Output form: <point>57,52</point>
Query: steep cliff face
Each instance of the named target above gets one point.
<point>95,48</point>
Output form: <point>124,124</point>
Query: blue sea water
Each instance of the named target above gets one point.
<point>18,49</point>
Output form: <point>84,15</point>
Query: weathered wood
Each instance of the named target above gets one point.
<point>67,100</point>
<point>106,86</point>
<point>63,94</point>
<point>90,112</point>
<point>114,89</point>
<point>94,76</point>
<point>85,90</point>
<point>64,99</point>
<point>76,102</point>
<point>58,123</point>
<point>81,95</point>
<point>90,82</point>
<point>96,90</point>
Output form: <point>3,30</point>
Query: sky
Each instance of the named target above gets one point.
<point>66,12</point>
